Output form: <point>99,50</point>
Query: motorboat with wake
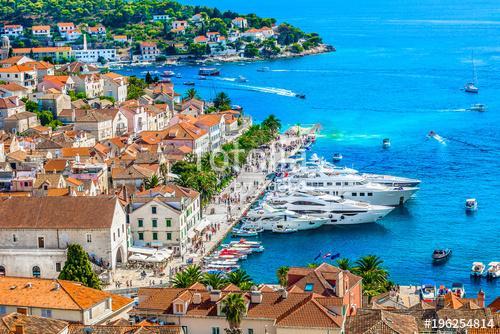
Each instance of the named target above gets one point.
<point>478,107</point>
<point>337,210</point>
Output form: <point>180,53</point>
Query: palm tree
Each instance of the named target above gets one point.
<point>187,277</point>
<point>191,93</point>
<point>375,278</point>
<point>282,274</point>
<point>239,277</point>
<point>194,273</point>
<point>216,280</point>
<point>313,265</point>
<point>272,123</point>
<point>234,307</point>
<point>152,182</point>
<point>344,264</point>
<point>222,101</point>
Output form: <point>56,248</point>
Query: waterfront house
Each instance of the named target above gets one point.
<point>41,67</point>
<point>198,310</point>
<point>20,74</point>
<point>36,232</point>
<point>165,217</point>
<point>56,53</point>
<point>214,124</point>
<point>40,31</point>
<point>239,22</point>
<point>62,83</point>
<point>193,107</point>
<point>115,86</point>
<point>186,134</point>
<point>10,106</point>
<point>149,50</point>
<point>13,30</point>
<point>61,300</point>
<point>98,124</point>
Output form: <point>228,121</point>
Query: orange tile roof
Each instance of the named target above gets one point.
<point>209,120</point>
<point>184,130</point>
<point>65,24</point>
<point>68,152</point>
<point>58,192</point>
<point>16,69</point>
<point>40,28</point>
<point>47,49</point>
<point>74,181</point>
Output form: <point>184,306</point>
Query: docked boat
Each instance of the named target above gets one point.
<point>477,269</point>
<point>478,107</point>
<point>209,71</point>
<point>440,255</point>
<point>386,143</point>
<point>284,229</point>
<point>458,289</point>
<point>263,69</point>
<point>428,291</point>
<point>470,204</point>
<point>337,157</point>
<point>168,74</point>
<point>493,270</point>
<point>337,210</point>
<point>241,79</point>
<point>268,217</point>
<point>250,232</point>
<point>189,83</point>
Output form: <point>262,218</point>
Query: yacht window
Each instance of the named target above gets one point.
<point>329,183</point>
<point>346,183</point>
<point>361,194</point>
<point>338,183</point>
<point>320,184</point>
<point>355,194</point>
<point>370,194</point>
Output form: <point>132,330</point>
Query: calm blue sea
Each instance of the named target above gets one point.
<point>397,73</point>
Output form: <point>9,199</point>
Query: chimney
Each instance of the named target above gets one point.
<point>215,295</point>
<point>283,293</point>
<point>480,298</point>
<point>339,284</point>
<point>16,101</point>
<point>85,42</point>
<point>256,297</point>
<point>19,329</point>
<point>197,298</point>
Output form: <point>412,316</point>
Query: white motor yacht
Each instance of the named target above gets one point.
<point>477,269</point>
<point>493,270</point>
<point>339,211</point>
<point>268,217</point>
<point>347,186</point>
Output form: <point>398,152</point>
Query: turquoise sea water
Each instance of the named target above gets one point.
<point>397,73</point>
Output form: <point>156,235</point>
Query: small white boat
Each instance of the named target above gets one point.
<point>471,204</point>
<point>168,74</point>
<point>437,137</point>
<point>263,69</point>
<point>493,270</point>
<point>428,291</point>
<point>458,289</point>
<point>470,87</point>
<point>178,75</point>
<point>477,269</point>
<point>478,107</point>
<point>244,232</point>
<point>241,79</point>
<point>337,157</point>
<point>386,143</point>
<point>283,229</point>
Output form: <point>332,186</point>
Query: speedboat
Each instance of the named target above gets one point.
<point>437,137</point>
<point>478,107</point>
<point>477,269</point>
<point>263,69</point>
<point>337,210</point>
<point>493,270</point>
<point>244,232</point>
<point>428,291</point>
<point>386,143</point>
<point>470,87</point>
<point>209,71</point>
<point>337,157</point>
<point>241,79</point>
<point>168,74</point>
<point>441,254</point>
<point>300,95</point>
<point>458,289</point>
<point>283,229</point>
<point>471,204</point>
<point>188,83</point>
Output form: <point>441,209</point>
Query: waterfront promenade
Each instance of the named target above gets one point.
<point>224,211</point>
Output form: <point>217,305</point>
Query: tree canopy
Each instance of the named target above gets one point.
<point>78,268</point>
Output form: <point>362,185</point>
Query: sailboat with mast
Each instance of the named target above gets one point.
<point>471,87</point>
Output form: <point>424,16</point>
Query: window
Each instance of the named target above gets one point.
<point>141,236</point>
<point>169,236</point>
<point>22,310</point>
<point>46,313</point>
<point>250,331</point>
<point>14,238</point>
<point>2,271</point>
<point>153,210</point>
<point>155,236</point>
<point>338,183</point>
<point>3,310</point>
<point>179,308</point>
<point>361,194</point>
<point>89,238</point>
<point>90,313</point>
<point>168,222</point>
<point>355,194</point>
<point>41,242</point>
<point>118,232</point>
<point>370,194</point>
<point>309,287</point>
<point>140,222</point>
<point>108,304</point>
<point>114,236</point>
<point>155,222</point>
<point>36,271</point>
<point>215,330</point>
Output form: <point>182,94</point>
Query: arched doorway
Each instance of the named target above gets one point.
<point>119,256</point>
<point>2,271</point>
<point>36,271</point>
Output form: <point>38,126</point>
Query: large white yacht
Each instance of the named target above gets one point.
<point>347,186</point>
<point>268,218</point>
<point>339,211</point>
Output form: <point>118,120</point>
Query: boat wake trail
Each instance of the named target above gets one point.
<point>269,90</point>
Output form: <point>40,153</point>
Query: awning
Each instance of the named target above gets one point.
<point>142,250</point>
<point>137,257</point>
<point>202,225</point>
